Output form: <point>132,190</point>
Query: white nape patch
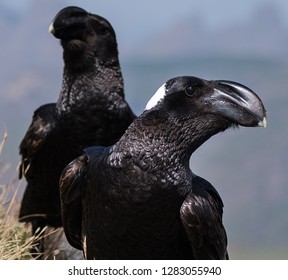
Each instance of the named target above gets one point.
<point>51,27</point>
<point>157,97</point>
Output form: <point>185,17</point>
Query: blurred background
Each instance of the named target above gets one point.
<point>245,41</point>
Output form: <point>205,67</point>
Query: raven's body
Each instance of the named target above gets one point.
<point>138,199</point>
<point>91,110</point>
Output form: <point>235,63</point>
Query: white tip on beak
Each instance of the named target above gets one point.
<point>263,123</point>
<point>51,28</point>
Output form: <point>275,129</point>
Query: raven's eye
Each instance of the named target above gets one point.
<point>190,91</point>
<point>99,28</point>
<point>102,30</point>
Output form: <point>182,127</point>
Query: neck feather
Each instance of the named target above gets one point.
<point>83,88</point>
<point>170,139</point>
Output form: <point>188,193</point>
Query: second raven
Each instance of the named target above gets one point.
<point>91,110</point>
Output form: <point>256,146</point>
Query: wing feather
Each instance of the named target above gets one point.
<point>73,181</point>
<point>201,215</point>
<point>42,124</point>
<point>70,194</point>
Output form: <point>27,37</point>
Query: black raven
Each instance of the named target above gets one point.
<point>138,199</point>
<point>91,110</point>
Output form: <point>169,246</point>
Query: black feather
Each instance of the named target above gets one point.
<point>91,110</point>
<point>139,198</point>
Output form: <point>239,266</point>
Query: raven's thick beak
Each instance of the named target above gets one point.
<point>238,103</point>
<point>69,23</point>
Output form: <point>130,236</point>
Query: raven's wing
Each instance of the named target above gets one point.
<point>41,126</point>
<point>72,183</point>
<point>201,215</point>
<point>32,152</point>
<point>70,195</point>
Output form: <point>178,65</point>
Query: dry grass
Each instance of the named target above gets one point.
<point>15,238</point>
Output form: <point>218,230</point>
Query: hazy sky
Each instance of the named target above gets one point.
<point>214,12</point>
<point>130,16</point>
<point>217,11</point>
<point>136,22</point>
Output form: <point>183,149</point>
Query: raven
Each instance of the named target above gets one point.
<point>138,199</point>
<point>91,110</point>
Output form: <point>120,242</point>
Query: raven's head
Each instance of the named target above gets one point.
<point>194,109</point>
<point>191,97</point>
<point>84,35</point>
